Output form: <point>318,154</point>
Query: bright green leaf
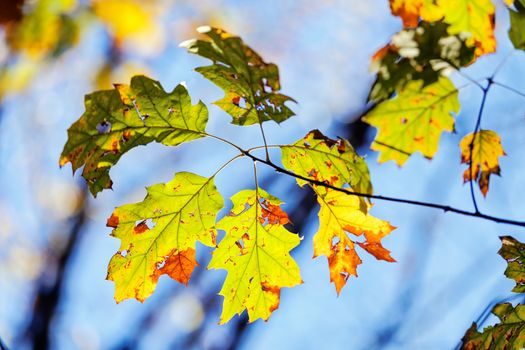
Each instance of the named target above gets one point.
<point>256,254</point>
<point>118,120</point>
<point>158,235</point>
<point>251,85</point>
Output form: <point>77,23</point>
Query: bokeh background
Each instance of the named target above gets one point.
<point>54,245</point>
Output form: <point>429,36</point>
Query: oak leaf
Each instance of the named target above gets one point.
<point>158,235</point>
<point>473,19</point>
<point>513,252</point>
<point>115,121</point>
<point>256,254</point>
<point>250,84</point>
<point>340,215</point>
<point>483,161</point>
<point>508,334</point>
<point>413,120</point>
<point>334,162</point>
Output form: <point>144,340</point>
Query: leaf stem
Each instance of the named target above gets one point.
<point>445,208</point>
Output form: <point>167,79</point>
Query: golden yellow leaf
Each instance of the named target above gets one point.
<point>486,150</point>
<point>413,120</point>
<point>472,18</point>
<point>340,215</point>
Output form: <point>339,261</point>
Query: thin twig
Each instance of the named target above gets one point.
<point>445,208</point>
<point>510,88</point>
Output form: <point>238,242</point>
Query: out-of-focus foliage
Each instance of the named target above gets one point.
<point>517,25</point>
<point>481,152</point>
<point>250,84</point>
<point>413,120</point>
<point>421,53</point>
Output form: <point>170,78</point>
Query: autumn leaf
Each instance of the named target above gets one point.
<point>158,235</point>
<point>256,254</point>
<point>410,11</point>
<point>513,252</point>
<point>486,150</point>
<point>413,120</point>
<point>508,334</point>
<point>334,162</point>
<point>422,53</point>
<point>115,121</point>
<point>251,85</point>
<point>473,19</point>
<point>340,215</point>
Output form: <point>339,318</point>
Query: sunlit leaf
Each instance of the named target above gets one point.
<point>256,254</point>
<point>413,120</point>
<point>508,334</point>
<point>118,120</point>
<point>472,19</point>
<point>514,252</point>
<point>422,53</point>
<point>486,150</point>
<point>334,162</point>
<point>158,235</point>
<point>340,215</point>
<point>251,85</point>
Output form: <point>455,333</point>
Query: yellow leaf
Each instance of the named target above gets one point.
<point>414,120</point>
<point>256,254</point>
<point>158,235</point>
<point>411,10</point>
<point>339,215</point>
<point>125,18</point>
<point>486,150</point>
<point>474,18</point>
<point>471,18</point>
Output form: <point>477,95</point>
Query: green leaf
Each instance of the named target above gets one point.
<point>509,334</point>
<point>118,120</point>
<point>158,235</point>
<point>251,85</point>
<point>517,25</point>
<point>514,252</point>
<point>421,53</point>
<point>332,161</point>
<point>414,120</point>
<point>256,254</point>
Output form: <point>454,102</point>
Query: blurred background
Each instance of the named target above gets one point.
<point>54,243</point>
